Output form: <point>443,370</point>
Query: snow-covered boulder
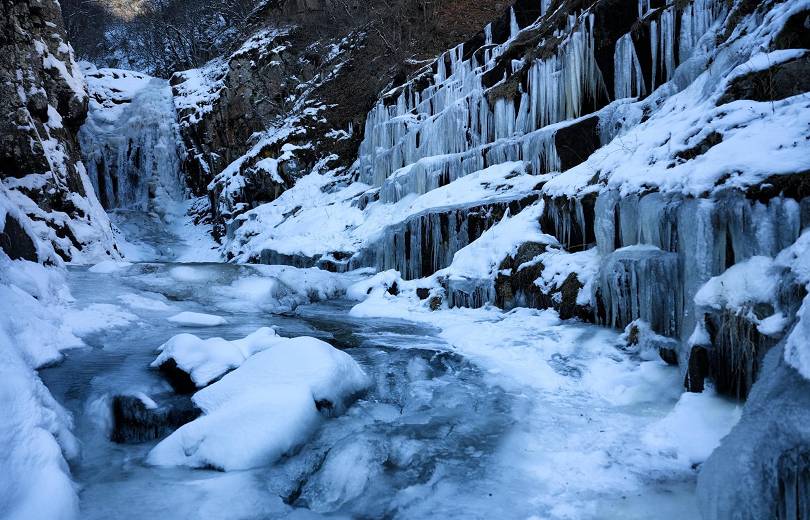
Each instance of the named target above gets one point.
<point>189,362</point>
<point>639,338</point>
<point>265,408</point>
<point>385,282</point>
<point>740,317</point>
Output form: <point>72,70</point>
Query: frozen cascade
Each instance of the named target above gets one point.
<point>453,116</point>
<point>133,158</point>
<point>639,282</point>
<point>425,243</point>
<point>693,240</point>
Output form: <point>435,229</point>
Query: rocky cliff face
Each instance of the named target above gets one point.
<point>48,210</point>
<point>294,97</point>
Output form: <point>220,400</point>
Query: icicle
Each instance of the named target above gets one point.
<point>654,53</point>
<point>667,42</point>
<point>514,29</point>
<point>628,79</point>
<point>643,8</point>
<point>504,118</point>
<point>696,19</point>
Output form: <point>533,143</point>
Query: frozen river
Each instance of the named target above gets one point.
<point>471,413</point>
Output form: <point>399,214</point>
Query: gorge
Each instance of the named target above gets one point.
<point>525,259</point>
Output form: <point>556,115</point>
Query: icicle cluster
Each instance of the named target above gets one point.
<point>667,48</point>
<point>703,237</point>
<point>628,78</point>
<point>433,136</point>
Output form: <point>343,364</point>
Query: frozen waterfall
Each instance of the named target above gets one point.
<point>130,141</point>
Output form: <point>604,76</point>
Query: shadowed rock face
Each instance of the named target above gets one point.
<point>772,84</point>
<point>16,242</point>
<point>32,31</point>
<point>43,102</point>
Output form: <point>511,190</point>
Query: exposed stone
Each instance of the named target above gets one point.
<point>575,143</point>
<point>777,82</point>
<point>179,379</point>
<point>737,350</point>
<point>16,242</point>
<point>705,144</point>
<point>134,421</point>
<point>697,370</point>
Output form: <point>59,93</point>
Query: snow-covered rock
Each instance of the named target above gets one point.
<point>265,408</point>
<point>206,360</point>
<point>48,211</point>
<point>35,480</point>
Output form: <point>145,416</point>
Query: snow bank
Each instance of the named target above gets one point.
<point>197,319</point>
<point>35,430</point>
<point>265,408</point>
<point>208,359</point>
<point>694,428</point>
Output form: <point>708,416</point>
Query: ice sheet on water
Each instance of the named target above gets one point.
<point>228,288</point>
<point>145,301</point>
<point>97,317</point>
<point>197,319</point>
<point>588,406</point>
<point>109,266</point>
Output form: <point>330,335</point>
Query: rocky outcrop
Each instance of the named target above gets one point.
<point>43,101</point>
<point>294,96</point>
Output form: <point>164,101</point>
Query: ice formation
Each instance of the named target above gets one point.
<point>130,140</point>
